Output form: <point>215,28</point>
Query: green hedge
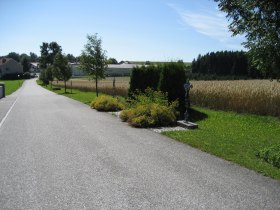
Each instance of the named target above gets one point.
<point>168,78</point>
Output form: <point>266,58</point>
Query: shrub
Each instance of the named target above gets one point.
<point>150,109</point>
<point>172,80</point>
<point>26,75</point>
<point>143,77</point>
<point>147,97</point>
<point>149,115</point>
<point>106,103</point>
<point>271,155</point>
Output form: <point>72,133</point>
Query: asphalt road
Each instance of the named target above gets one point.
<point>56,153</point>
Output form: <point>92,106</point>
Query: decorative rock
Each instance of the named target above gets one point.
<point>187,124</point>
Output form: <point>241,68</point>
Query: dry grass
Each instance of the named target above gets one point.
<point>251,96</point>
<point>105,86</point>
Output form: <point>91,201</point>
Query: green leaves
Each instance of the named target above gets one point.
<point>260,22</point>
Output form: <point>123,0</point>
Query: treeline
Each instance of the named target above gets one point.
<point>223,64</point>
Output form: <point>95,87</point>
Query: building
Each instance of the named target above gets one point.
<point>9,66</point>
<point>122,69</point>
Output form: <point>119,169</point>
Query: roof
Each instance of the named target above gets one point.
<point>4,60</point>
<point>122,66</point>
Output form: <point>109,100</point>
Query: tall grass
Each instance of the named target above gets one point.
<point>260,97</point>
<point>105,86</point>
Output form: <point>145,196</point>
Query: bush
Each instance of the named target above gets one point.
<point>150,109</point>
<point>143,77</point>
<point>172,80</point>
<point>271,155</point>
<point>149,115</point>
<point>26,75</point>
<point>106,103</point>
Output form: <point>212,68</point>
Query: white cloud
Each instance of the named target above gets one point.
<point>213,24</point>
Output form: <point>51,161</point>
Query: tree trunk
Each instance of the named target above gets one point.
<point>64,86</point>
<point>96,86</point>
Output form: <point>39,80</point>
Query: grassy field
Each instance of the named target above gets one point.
<point>11,85</point>
<point>82,96</point>
<point>234,137</point>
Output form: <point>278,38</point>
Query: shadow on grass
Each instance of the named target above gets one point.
<point>196,116</point>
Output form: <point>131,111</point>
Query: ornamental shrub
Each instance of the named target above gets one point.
<point>172,80</point>
<point>149,115</point>
<point>143,77</point>
<point>271,155</point>
<point>106,103</point>
<point>150,109</point>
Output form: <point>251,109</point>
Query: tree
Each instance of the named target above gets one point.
<point>93,59</point>
<point>49,74</point>
<point>61,69</point>
<point>14,56</point>
<point>48,52</point>
<point>44,61</point>
<point>259,20</point>
<point>71,58</point>
<point>112,61</point>
<point>25,63</point>
<point>33,57</point>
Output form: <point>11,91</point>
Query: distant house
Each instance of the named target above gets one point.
<point>122,69</point>
<point>9,66</point>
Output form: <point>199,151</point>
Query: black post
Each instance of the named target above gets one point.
<point>187,87</point>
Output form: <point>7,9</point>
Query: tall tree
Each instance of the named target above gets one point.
<point>93,60</point>
<point>61,69</point>
<point>44,61</point>
<point>14,56</point>
<point>25,64</point>
<point>33,57</point>
<point>259,20</point>
<point>48,52</point>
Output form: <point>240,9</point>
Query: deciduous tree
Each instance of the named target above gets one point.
<point>259,20</point>
<point>61,69</point>
<point>93,59</point>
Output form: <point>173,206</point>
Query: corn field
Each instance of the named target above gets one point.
<point>260,97</point>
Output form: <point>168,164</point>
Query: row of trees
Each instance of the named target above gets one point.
<point>54,64</point>
<point>224,63</point>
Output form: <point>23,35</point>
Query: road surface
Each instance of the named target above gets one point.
<point>57,153</point>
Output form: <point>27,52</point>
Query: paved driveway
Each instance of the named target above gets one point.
<point>56,153</point>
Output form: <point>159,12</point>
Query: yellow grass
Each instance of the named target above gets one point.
<point>105,85</point>
<point>251,96</point>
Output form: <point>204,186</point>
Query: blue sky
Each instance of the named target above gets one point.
<point>139,30</point>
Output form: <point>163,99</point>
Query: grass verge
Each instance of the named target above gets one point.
<point>11,85</point>
<point>82,96</point>
<point>234,137</point>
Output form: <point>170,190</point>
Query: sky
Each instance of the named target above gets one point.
<point>133,30</point>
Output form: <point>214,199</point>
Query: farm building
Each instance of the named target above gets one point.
<point>122,69</point>
<point>9,66</point>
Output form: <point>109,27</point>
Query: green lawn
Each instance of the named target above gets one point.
<point>82,96</point>
<point>11,85</point>
<point>234,137</point>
